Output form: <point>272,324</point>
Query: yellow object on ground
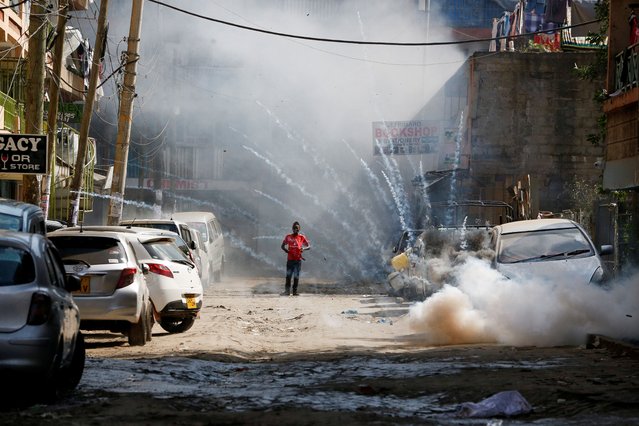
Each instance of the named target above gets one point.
<point>400,262</point>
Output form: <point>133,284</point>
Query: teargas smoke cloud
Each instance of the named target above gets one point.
<point>283,119</point>
<point>476,304</point>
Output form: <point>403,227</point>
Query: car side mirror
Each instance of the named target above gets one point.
<point>193,246</point>
<point>73,283</point>
<point>145,268</point>
<point>606,249</point>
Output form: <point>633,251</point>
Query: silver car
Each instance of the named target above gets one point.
<point>555,250</point>
<point>40,339</point>
<point>113,295</point>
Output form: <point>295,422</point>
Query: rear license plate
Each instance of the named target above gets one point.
<point>191,303</point>
<point>85,285</point>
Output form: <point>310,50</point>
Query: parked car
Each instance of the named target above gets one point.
<point>212,238</point>
<point>175,287</point>
<point>19,216</point>
<point>174,284</point>
<point>197,252</point>
<point>558,250</point>
<point>114,294</point>
<point>41,345</point>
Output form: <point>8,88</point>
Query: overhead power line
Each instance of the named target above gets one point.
<point>379,43</point>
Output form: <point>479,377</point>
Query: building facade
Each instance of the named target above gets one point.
<point>14,36</point>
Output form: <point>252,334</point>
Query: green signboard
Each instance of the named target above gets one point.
<point>67,113</point>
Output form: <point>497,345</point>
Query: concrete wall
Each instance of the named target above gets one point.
<point>529,114</point>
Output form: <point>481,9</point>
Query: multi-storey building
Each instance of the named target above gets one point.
<point>621,161</point>
<point>14,36</point>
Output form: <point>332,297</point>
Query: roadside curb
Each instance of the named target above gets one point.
<point>618,347</point>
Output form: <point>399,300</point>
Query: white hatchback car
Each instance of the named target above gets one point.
<point>555,250</point>
<point>174,284</point>
<point>190,235</point>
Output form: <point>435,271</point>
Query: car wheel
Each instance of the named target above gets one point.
<point>70,375</point>
<point>138,332</point>
<point>176,325</point>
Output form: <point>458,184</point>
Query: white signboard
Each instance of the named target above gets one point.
<point>406,137</point>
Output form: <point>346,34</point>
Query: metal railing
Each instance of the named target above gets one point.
<point>627,68</point>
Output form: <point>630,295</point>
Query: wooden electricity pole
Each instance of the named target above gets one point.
<point>78,172</point>
<point>127,95</point>
<point>52,118</point>
<point>34,95</point>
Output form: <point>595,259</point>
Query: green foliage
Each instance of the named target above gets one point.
<point>597,70</point>
<point>536,47</point>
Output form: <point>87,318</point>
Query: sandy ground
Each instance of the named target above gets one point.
<point>247,321</point>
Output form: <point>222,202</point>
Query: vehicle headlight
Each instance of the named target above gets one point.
<point>598,277</point>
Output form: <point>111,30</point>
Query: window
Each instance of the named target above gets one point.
<point>93,250</point>
<point>181,160</point>
<point>543,245</point>
<point>212,230</point>
<point>57,275</point>
<point>16,266</point>
<point>164,250</point>
<point>10,222</point>
<point>201,228</point>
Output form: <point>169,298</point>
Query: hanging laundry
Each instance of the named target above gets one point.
<point>556,11</point>
<point>533,22</point>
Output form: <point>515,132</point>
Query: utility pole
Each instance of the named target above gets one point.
<point>52,118</point>
<point>78,171</point>
<point>125,119</point>
<point>34,109</point>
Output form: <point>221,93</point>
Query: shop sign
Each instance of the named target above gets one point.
<point>23,154</point>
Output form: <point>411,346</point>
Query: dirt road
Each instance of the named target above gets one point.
<point>333,355</point>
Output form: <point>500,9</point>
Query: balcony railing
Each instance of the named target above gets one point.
<point>627,69</point>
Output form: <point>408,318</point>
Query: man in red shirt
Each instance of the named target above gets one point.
<point>294,244</point>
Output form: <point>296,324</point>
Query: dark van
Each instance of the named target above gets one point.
<point>19,216</point>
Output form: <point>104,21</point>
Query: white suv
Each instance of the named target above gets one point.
<point>211,236</point>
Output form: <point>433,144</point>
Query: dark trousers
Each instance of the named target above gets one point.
<point>293,268</point>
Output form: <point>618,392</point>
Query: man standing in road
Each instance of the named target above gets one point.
<point>294,244</point>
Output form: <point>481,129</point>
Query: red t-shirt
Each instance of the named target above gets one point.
<point>294,244</point>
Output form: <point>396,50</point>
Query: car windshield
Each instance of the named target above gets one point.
<point>165,250</point>
<point>16,267</point>
<point>9,221</point>
<point>549,244</point>
<point>93,250</point>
